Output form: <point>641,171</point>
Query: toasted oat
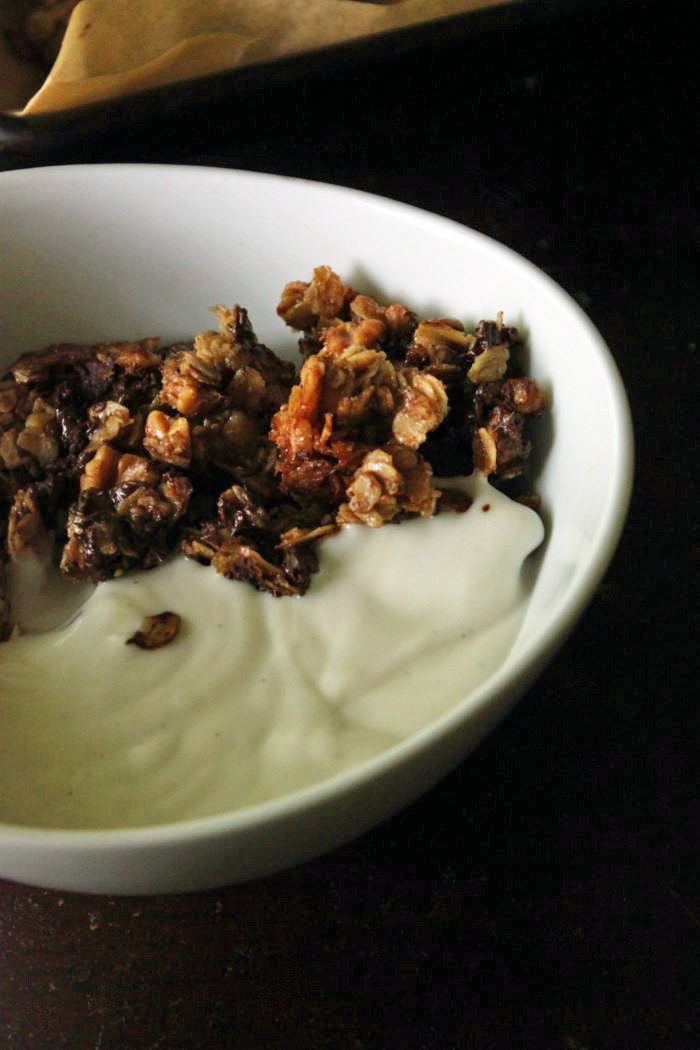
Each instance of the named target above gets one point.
<point>423,406</point>
<point>389,482</point>
<point>491,364</point>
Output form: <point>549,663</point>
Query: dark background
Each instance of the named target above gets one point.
<point>546,894</point>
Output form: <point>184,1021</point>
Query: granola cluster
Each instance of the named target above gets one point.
<point>122,453</point>
<point>376,375</point>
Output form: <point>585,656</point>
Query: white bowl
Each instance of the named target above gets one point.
<point>90,253</point>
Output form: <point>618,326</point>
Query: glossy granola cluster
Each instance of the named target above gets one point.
<point>119,454</point>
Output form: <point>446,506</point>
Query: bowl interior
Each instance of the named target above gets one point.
<point>122,252</point>
<point>104,252</point>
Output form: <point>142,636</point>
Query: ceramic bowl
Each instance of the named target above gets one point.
<point>90,253</point>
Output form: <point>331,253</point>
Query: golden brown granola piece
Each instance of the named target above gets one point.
<point>168,439</point>
<point>136,470</point>
<point>156,631</point>
<point>330,313</point>
<point>132,525</point>
<point>39,438</point>
<point>226,369</point>
<point>304,304</point>
<point>109,421</point>
<point>100,472</point>
<point>254,362</point>
<point>485,452</point>
<point>190,384</point>
<point>422,400</point>
<point>390,481</point>
<point>442,348</point>
<point>350,398</point>
<point>491,364</point>
<point>365,333</point>
<point>319,432</point>
<point>239,561</point>
<point>25,527</point>
<point>397,320</point>
<point>296,536</point>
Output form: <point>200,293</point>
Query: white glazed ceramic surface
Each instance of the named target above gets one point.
<point>100,252</point>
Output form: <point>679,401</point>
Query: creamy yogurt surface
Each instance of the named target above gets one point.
<point>258,696</point>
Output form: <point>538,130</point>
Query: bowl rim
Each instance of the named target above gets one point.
<point>556,626</point>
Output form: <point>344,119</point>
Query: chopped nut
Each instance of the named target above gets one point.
<point>168,439</point>
<point>156,631</point>
<point>101,471</point>
<point>136,470</point>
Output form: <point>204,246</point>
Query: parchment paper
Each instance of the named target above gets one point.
<point>114,47</point>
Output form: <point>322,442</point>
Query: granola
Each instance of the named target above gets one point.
<point>156,631</point>
<point>125,452</point>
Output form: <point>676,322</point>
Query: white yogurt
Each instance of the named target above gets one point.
<point>258,696</point>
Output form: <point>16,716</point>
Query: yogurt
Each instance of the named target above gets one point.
<point>258,696</point>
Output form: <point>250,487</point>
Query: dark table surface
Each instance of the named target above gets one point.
<point>546,893</point>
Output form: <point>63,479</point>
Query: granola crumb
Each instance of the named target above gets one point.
<point>156,631</point>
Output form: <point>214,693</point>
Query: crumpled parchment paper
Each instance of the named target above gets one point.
<point>115,47</point>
